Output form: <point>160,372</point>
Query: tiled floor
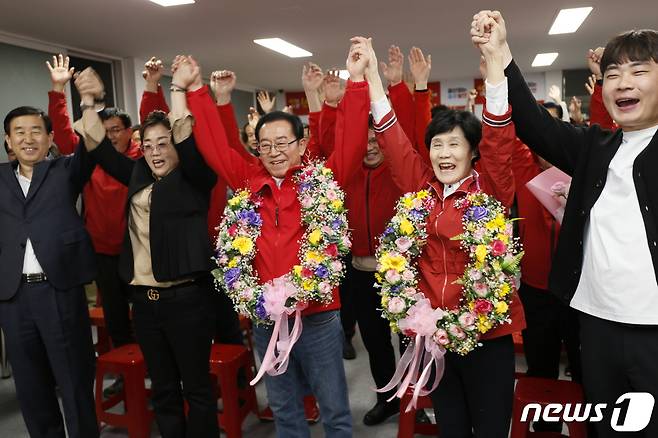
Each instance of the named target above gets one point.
<point>361,399</point>
<point>361,396</point>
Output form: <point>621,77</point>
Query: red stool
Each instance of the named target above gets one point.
<point>225,362</point>
<point>97,319</point>
<point>518,342</point>
<point>129,362</point>
<point>544,391</point>
<point>518,350</point>
<point>311,411</point>
<point>407,427</point>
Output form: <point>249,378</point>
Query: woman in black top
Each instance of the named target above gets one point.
<point>166,258</point>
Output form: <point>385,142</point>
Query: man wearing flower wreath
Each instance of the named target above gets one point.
<point>462,294</point>
<point>265,245</point>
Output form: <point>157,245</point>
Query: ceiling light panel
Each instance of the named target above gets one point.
<point>569,20</point>
<point>544,59</point>
<point>283,47</point>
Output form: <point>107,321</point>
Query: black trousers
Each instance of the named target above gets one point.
<point>114,293</point>
<point>175,335</point>
<point>549,323</point>
<point>227,322</point>
<point>475,395</point>
<point>618,358</point>
<point>375,330</point>
<point>48,339</point>
<point>347,306</point>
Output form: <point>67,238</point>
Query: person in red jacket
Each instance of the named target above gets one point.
<point>598,114</point>
<point>476,391</point>
<point>104,200</point>
<point>318,352</point>
<point>371,198</point>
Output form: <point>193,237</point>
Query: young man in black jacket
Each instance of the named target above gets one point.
<point>607,256</point>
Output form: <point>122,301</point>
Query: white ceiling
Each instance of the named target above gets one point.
<point>219,33</point>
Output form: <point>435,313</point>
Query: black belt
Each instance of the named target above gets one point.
<point>34,278</point>
<point>153,293</point>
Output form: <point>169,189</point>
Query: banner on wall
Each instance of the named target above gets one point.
<point>454,92</point>
<point>297,100</point>
<point>435,93</point>
<point>537,84</point>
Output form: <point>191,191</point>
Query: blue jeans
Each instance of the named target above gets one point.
<point>317,357</point>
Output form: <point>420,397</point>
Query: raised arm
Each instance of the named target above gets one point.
<point>153,97</point>
<point>222,84</point>
<point>559,142</point>
<point>92,132</point>
<point>398,92</point>
<point>597,112</point>
<point>192,164</point>
<point>208,130</point>
<point>266,101</point>
<point>408,169</point>
<point>352,118</point>
<point>421,66</point>
<point>64,136</point>
<point>312,78</point>
<point>496,147</point>
<point>498,135</point>
<point>334,90</point>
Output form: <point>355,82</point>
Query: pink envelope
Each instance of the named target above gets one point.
<point>551,188</point>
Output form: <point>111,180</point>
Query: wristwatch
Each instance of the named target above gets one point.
<point>98,105</point>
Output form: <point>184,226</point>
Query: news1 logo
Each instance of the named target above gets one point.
<point>630,413</point>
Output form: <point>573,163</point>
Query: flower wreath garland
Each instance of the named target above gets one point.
<point>487,283</point>
<point>325,240</point>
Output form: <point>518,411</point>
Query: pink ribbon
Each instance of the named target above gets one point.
<point>276,359</point>
<point>421,355</point>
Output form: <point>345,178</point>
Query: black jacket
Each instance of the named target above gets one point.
<point>180,246</point>
<point>585,154</point>
<point>47,215</point>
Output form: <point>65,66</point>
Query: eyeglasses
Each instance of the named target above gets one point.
<point>115,130</point>
<point>150,148</point>
<point>280,146</point>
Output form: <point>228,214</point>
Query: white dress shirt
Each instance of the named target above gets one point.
<point>618,281</point>
<point>30,263</point>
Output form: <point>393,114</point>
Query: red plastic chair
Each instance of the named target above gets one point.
<point>407,427</point>
<point>97,319</point>
<point>127,361</point>
<point>225,362</point>
<point>518,350</point>
<point>544,391</point>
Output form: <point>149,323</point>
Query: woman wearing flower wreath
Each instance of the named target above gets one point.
<point>476,389</point>
<point>265,225</point>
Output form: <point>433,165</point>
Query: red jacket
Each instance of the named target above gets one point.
<point>538,230</point>
<point>443,260</point>
<point>371,193</point>
<point>370,199</point>
<point>156,101</point>
<point>278,245</point>
<point>598,114</point>
<point>104,197</point>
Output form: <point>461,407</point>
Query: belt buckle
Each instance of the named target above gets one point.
<point>34,278</point>
<point>153,294</point>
